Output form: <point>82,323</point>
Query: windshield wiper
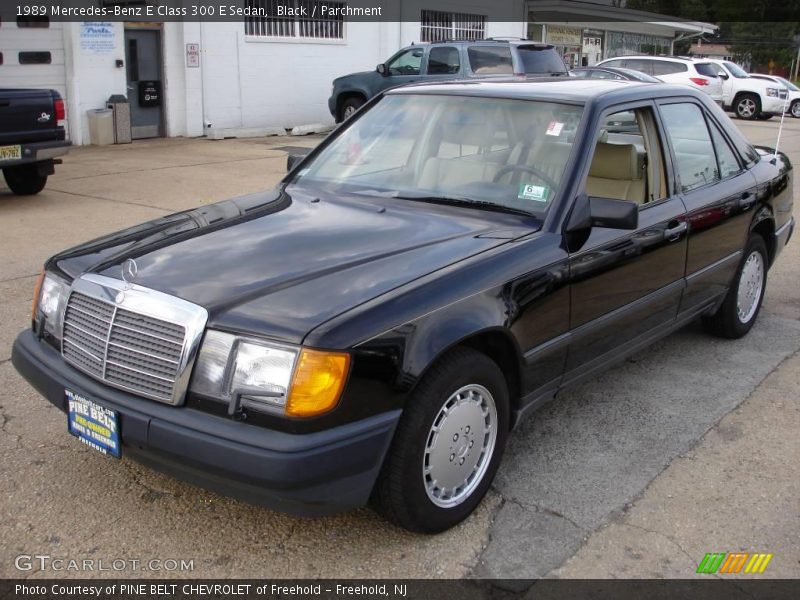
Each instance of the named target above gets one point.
<point>468,202</point>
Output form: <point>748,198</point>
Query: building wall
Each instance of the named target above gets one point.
<point>242,82</point>
<point>252,82</point>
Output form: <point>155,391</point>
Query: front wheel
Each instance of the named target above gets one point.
<point>742,304</point>
<point>794,109</point>
<point>25,180</point>
<point>350,106</point>
<point>447,446</point>
<point>747,107</point>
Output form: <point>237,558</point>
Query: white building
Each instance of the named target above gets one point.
<point>257,74</point>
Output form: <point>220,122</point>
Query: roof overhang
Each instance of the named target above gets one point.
<point>576,13</point>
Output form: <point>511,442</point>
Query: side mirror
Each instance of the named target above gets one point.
<point>381,68</point>
<point>722,75</point>
<point>293,160</point>
<point>591,211</point>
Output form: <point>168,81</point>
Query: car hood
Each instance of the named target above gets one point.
<point>360,75</point>
<point>278,263</point>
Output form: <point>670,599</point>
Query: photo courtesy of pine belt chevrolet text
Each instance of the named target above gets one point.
<point>445,262</point>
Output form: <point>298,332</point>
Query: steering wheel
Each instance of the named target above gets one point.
<point>527,169</point>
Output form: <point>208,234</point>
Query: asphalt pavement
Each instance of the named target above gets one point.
<point>689,447</point>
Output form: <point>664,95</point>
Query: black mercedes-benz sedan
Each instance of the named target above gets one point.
<point>440,266</point>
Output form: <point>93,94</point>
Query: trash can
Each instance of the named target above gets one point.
<point>122,118</point>
<point>101,126</point>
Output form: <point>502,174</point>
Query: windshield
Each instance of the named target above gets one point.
<point>735,70</point>
<point>538,59</point>
<point>492,153</point>
<point>788,84</point>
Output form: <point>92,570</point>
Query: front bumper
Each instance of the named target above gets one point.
<point>33,152</point>
<point>309,475</point>
<point>772,105</point>
<point>783,234</point>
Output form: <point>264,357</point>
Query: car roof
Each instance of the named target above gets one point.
<point>621,71</point>
<point>488,41</point>
<point>685,59</point>
<point>574,90</point>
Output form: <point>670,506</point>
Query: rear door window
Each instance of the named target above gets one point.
<point>541,59</point>
<point>444,60</point>
<point>490,60</point>
<point>638,64</point>
<point>665,67</point>
<point>691,144</point>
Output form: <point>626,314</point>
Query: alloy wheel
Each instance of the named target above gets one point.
<point>460,445</point>
<point>751,285</point>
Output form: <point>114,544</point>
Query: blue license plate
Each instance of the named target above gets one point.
<point>94,425</point>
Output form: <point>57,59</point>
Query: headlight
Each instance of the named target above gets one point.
<point>49,301</point>
<point>772,92</point>
<point>272,378</point>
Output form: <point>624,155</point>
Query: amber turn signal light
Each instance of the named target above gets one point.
<point>37,292</point>
<point>318,381</point>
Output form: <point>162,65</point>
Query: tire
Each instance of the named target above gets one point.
<point>737,314</point>
<point>406,492</point>
<point>764,117</point>
<point>350,106</point>
<point>25,180</point>
<point>747,107</point>
<point>794,109</point>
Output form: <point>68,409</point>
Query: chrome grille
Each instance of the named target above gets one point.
<point>107,337</point>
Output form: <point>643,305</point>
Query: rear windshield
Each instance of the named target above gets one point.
<point>488,60</point>
<point>707,69</point>
<point>541,59</point>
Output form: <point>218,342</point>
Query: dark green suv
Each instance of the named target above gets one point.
<point>443,61</point>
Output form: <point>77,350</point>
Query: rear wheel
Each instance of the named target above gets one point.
<point>747,107</point>
<point>794,109</point>
<point>350,106</point>
<point>742,304</point>
<point>25,180</point>
<point>447,446</point>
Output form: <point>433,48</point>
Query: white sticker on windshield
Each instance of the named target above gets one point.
<point>554,128</point>
<point>537,193</point>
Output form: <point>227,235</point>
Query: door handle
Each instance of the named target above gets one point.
<point>674,233</point>
<point>747,200</point>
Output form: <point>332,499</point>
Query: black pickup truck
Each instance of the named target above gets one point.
<point>32,136</point>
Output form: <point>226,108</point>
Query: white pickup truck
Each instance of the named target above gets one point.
<point>748,97</point>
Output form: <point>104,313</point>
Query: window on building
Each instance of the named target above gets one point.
<point>35,58</point>
<point>37,22</point>
<point>444,60</point>
<point>439,25</point>
<point>312,25</point>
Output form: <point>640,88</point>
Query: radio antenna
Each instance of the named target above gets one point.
<point>780,127</point>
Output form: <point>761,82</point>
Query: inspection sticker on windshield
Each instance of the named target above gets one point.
<point>537,193</point>
<point>554,128</point>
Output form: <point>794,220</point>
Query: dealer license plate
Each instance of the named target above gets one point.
<point>94,425</point>
<point>10,152</point>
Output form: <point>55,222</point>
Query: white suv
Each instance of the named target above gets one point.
<point>748,97</point>
<point>791,89</point>
<point>697,73</point>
